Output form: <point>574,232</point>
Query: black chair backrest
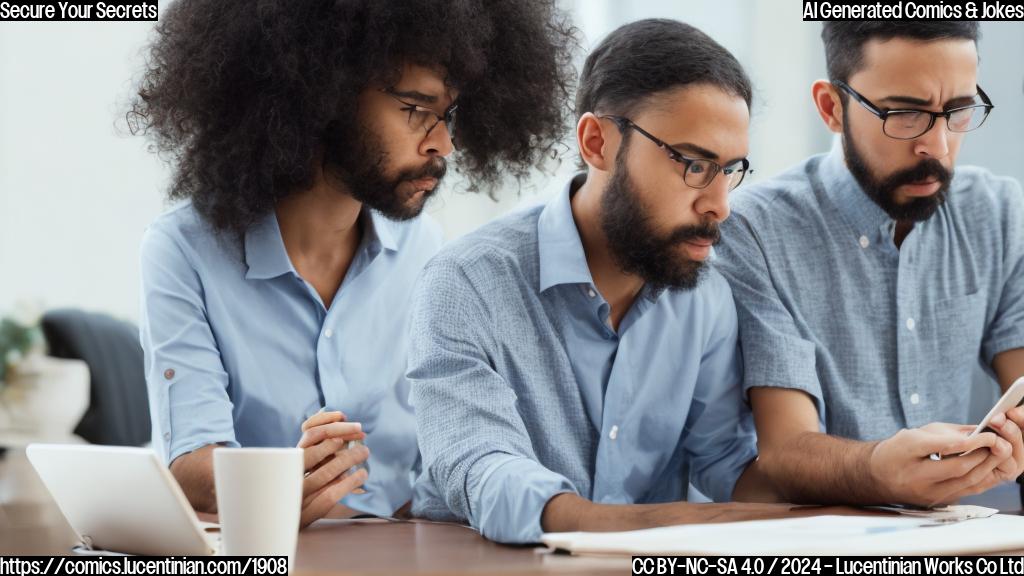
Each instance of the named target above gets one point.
<point>118,411</point>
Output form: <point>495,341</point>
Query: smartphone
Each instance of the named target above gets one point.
<point>352,444</point>
<point>1013,397</point>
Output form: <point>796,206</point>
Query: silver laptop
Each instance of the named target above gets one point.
<point>121,500</point>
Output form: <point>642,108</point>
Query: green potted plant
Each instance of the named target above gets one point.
<point>18,338</point>
<point>41,398</point>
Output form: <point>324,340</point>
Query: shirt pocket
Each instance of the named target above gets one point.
<point>959,324</point>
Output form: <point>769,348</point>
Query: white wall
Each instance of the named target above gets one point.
<point>74,195</point>
<point>997,145</point>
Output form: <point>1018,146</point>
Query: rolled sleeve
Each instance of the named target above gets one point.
<point>775,355</point>
<point>1005,331</point>
<point>510,494</point>
<point>720,441</point>
<point>185,377</point>
<point>475,447</point>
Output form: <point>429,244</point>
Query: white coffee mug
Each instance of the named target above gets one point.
<point>259,500</point>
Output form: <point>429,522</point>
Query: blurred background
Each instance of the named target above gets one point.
<point>76,194</point>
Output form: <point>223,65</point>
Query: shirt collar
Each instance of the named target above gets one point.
<point>265,253</point>
<point>560,250</point>
<point>379,231</point>
<point>859,210</point>
<point>267,257</point>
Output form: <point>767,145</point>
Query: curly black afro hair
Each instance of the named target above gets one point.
<point>241,94</point>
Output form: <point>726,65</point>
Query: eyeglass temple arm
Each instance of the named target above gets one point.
<point>984,97</point>
<point>863,101</point>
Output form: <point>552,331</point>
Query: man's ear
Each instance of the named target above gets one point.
<point>829,104</point>
<point>596,141</point>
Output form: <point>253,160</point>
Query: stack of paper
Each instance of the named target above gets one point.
<point>815,535</point>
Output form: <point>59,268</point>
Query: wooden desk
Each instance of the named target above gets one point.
<point>30,523</point>
<point>381,547</point>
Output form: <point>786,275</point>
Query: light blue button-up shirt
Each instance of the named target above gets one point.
<point>240,350</point>
<point>882,338</point>
<point>523,391</point>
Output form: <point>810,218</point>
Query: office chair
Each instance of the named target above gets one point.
<point>118,412</point>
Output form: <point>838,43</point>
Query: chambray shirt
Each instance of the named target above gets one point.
<point>239,349</point>
<point>523,391</point>
<point>882,338</point>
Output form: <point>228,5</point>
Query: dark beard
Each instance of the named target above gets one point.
<point>637,248</point>
<point>362,172</point>
<point>882,191</point>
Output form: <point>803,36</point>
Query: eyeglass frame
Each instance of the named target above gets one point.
<point>883,113</point>
<point>448,116</point>
<point>675,155</point>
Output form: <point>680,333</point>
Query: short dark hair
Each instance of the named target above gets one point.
<point>646,57</point>
<point>844,41</point>
<point>242,94</point>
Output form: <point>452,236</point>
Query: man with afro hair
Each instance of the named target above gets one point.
<point>306,138</point>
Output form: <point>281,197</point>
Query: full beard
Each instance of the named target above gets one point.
<point>636,246</point>
<point>882,191</point>
<point>363,173</point>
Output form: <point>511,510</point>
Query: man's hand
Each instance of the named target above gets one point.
<point>327,463</point>
<point>902,468</point>
<point>1009,426</point>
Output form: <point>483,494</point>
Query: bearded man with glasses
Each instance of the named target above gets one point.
<point>871,280</point>
<point>575,361</point>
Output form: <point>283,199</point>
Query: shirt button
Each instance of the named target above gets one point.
<point>915,399</point>
<point>591,293</point>
<point>614,432</point>
<point>167,435</point>
<point>910,324</point>
<point>328,332</point>
<point>169,374</point>
<point>864,242</point>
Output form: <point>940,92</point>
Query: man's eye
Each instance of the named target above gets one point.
<point>738,167</point>
<point>961,119</point>
<point>696,168</point>
<point>418,116</point>
<point>911,119</point>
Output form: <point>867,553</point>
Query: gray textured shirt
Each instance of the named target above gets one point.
<point>882,338</point>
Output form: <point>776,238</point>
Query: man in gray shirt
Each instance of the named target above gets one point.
<point>869,281</point>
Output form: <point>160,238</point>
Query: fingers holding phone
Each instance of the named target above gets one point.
<point>1008,426</point>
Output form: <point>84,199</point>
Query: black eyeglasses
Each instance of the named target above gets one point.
<point>697,172</point>
<point>910,124</point>
<point>423,118</point>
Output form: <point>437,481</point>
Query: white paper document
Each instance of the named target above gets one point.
<point>814,535</point>
<point>956,513</point>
